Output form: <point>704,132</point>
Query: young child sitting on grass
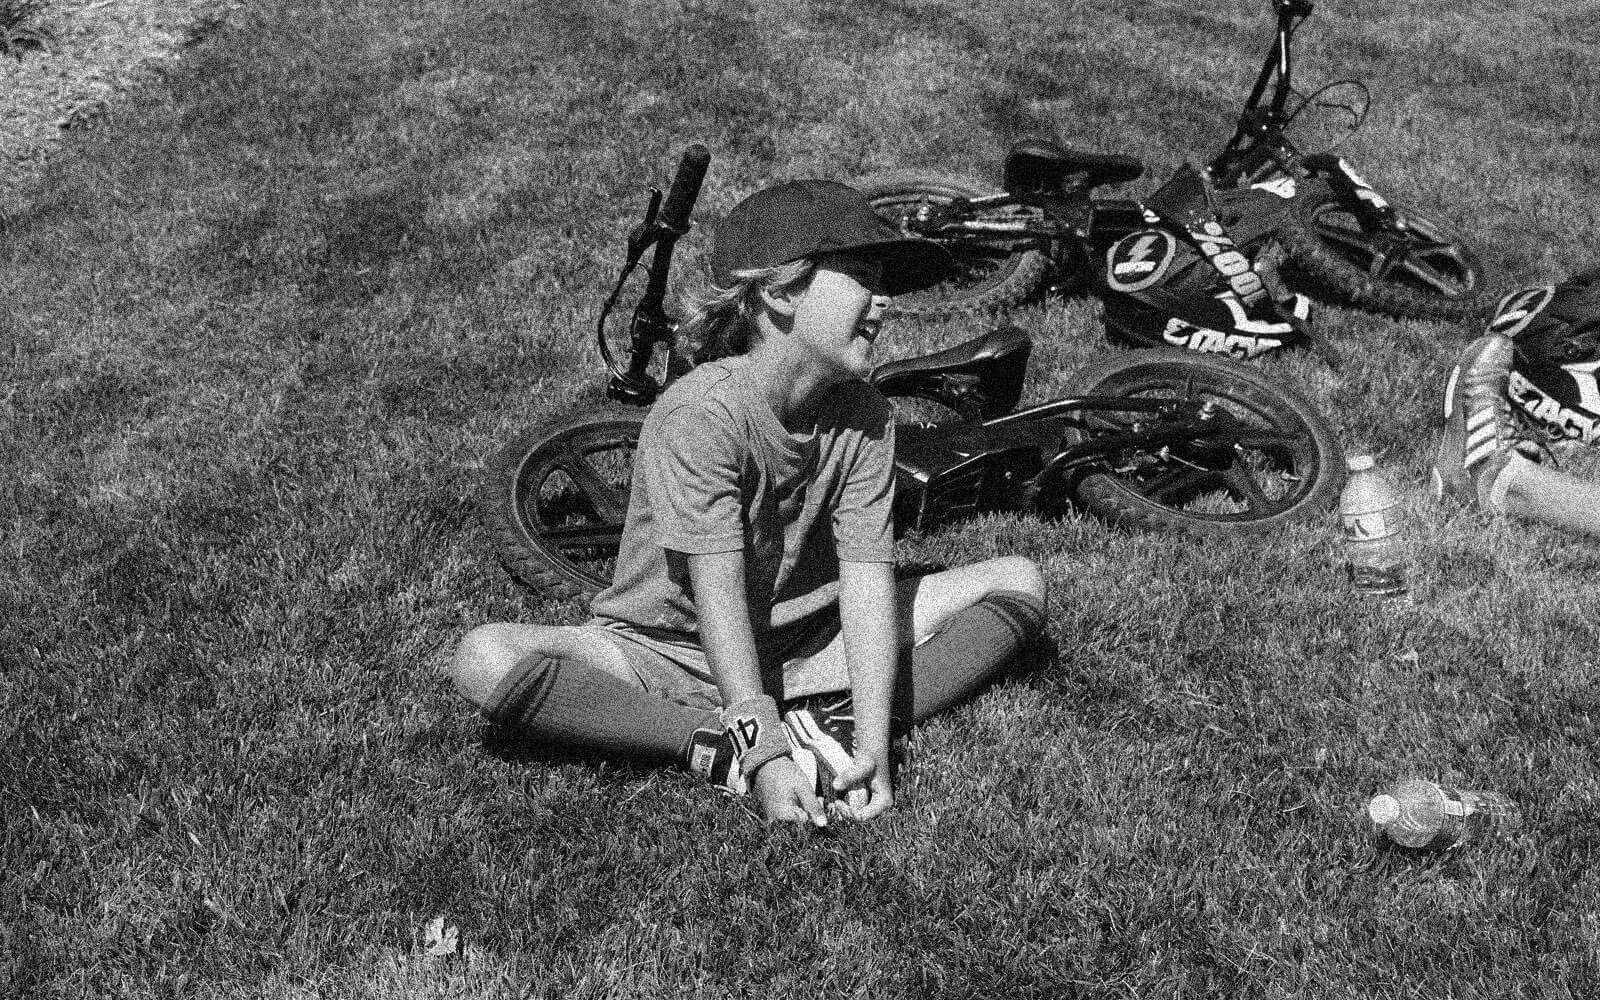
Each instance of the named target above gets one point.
<point>756,566</point>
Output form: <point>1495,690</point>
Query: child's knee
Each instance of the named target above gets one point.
<point>481,659</point>
<point>1017,573</point>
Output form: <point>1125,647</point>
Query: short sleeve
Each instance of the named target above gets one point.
<point>863,520</point>
<point>689,467</point>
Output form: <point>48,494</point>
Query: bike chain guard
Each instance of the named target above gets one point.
<point>1200,429</point>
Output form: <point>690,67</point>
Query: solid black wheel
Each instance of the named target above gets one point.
<point>555,500</point>
<point>1267,458</point>
<point>990,273</point>
<point>1419,269</point>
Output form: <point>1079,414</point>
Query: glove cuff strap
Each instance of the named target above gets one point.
<point>757,732</point>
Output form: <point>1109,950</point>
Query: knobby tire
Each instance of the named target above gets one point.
<point>554,500</point>
<point>1307,463</point>
<point>985,277</point>
<point>1325,242</point>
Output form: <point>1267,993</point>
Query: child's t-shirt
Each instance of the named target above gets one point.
<point>715,471</point>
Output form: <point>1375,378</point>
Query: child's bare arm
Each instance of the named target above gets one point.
<point>729,642</point>
<point>725,628</point>
<point>867,619</point>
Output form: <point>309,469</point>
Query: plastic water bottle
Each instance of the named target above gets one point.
<point>1374,535</point>
<point>1423,814</point>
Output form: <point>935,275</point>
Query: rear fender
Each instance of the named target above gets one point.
<point>1351,187</point>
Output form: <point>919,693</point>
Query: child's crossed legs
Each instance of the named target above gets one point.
<point>576,687</point>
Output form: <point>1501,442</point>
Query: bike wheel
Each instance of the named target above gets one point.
<point>1270,461</point>
<point>1420,271</point>
<point>555,500</point>
<point>988,275</point>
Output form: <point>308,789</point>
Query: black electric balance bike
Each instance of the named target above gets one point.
<point>1156,439</point>
<point>1047,227</point>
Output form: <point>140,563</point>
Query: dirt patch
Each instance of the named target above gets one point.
<point>101,48</point>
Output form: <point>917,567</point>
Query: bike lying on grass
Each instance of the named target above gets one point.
<point>1048,228</point>
<point>1161,439</point>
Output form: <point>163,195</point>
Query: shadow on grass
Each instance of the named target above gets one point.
<point>511,747</point>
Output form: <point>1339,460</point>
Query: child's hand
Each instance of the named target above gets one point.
<point>786,795</point>
<point>865,777</point>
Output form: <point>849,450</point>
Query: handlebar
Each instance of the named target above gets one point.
<point>685,188</point>
<point>1259,131</point>
<point>661,228</point>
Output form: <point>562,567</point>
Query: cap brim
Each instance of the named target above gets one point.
<point>910,263</point>
<point>808,219</point>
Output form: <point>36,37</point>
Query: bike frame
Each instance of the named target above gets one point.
<point>996,456</point>
<point>1258,146</point>
<point>1016,460</point>
<point>1175,422</point>
<point>1259,153</point>
<point>651,327</point>
<point>1259,150</point>
<point>1071,221</point>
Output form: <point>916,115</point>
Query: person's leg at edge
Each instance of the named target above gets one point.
<point>566,687</point>
<point>1549,496</point>
<point>1484,460</point>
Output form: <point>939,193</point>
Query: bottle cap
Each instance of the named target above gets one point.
<point>1359,463</point>
<point>1383,809</point>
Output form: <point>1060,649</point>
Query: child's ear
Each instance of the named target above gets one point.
<point>782,301</point>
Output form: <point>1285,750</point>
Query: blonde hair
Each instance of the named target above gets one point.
<point>723,322</point>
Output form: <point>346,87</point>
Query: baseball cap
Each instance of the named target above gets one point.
<point>783,223</point>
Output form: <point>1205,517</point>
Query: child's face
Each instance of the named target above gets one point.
<point>839,315</point>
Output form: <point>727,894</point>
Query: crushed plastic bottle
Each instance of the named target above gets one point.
<point>1431,816</point>
<point>1374,530</point>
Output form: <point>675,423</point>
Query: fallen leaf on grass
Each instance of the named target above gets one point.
<point>439,939</point>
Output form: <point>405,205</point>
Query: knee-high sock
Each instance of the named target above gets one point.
<point>571,704</point>
<point>965,652</point>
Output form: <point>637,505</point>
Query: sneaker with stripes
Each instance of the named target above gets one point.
<point>1482,443</point>
<point>825,727</point>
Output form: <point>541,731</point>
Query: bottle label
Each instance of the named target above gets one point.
<point>1370,525</point>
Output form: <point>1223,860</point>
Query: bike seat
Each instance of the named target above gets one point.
<point>986,370</point>
<point>1045,165</point>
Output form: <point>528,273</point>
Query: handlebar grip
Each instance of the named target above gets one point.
<point>685,188</point>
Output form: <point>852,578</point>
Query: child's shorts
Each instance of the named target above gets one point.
<point>809,661</point>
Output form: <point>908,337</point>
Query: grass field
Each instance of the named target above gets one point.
<point>260,325</point>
